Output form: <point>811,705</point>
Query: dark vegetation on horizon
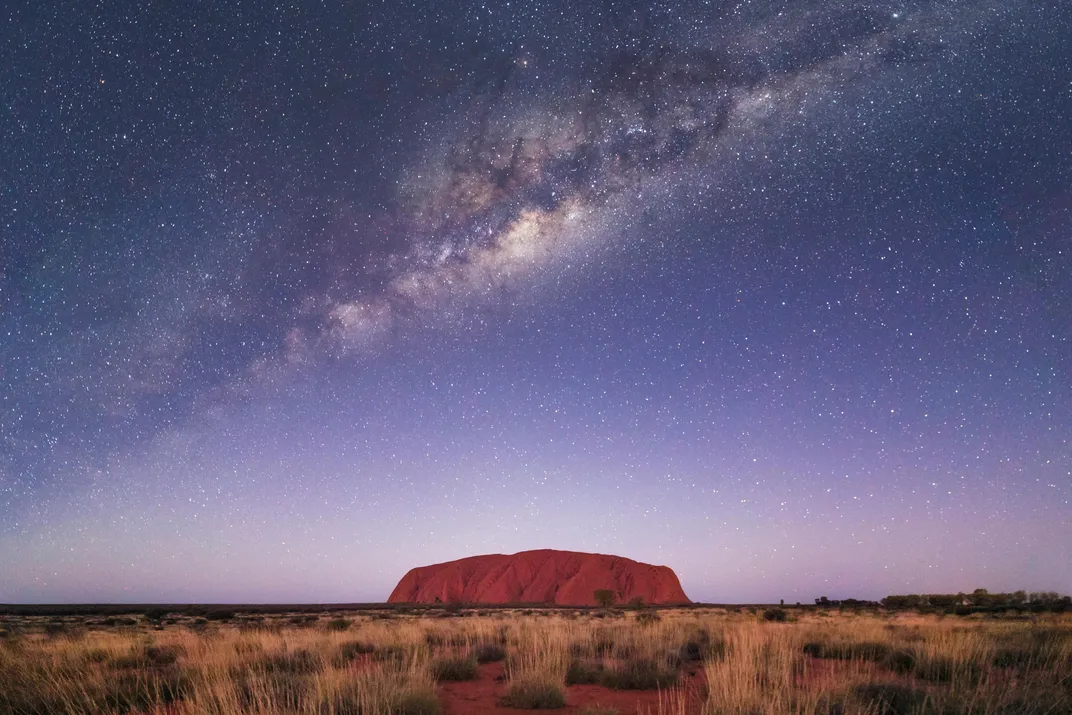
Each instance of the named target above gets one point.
<point>978,601</point>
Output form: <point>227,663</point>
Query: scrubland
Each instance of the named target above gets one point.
<point>672,662</point>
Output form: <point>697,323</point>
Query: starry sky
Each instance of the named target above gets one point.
<point>295,296</point>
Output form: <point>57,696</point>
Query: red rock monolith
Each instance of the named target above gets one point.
<point>562,578</point>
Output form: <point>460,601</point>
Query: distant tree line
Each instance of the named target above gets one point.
<point>981,600</point>
<point>845,603</point>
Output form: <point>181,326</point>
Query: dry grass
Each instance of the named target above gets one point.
<point>872,664</point>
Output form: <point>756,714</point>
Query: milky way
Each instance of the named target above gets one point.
<point>511,190</point>
<point>775,293</point>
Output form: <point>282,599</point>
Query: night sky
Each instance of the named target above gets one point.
<point>296,296</point>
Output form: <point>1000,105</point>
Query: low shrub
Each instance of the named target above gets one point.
<point>691,652</point>
<point>866,650</point>
<point>261,690</point>
<point>534,695</point>
<point>701,647</point>
<point>436,638</point>
<point>57,628</point>
<point>583,672</point>
<point>946,670</point>
<point>900,661</point>
<point>489,653</point>
<point>96,655</point>
<point>777,615</point>
<point>417,702</point>
<point>393,653</point>
<point>638,674</point>
<point>891,698</point>
<point>142,691</point>
<point>300,662</point>
<point>348,652</point>
<point>161,655</point>
<point>1012,658</point>
<point>338,624</point>
<point>603,643</point>
<point>647,618</point>
<point>454,668</point>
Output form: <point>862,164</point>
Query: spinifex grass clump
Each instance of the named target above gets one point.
<point>583,672</point>
<point>299,660</point>
<point>536,673</point>
<point>338,624</point>
<point>534,694</point>
<point>67,677</point>
<point>700,646</point>
<point>489,653</point>
<point>410,691</point>
<point>891,697</point>
<point>847,650</point>
<point>455,667</point>
<point>350,651</point>
<point>639,674</point>
<point>758,673</point>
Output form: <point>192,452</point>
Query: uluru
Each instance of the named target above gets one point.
<point>562,578</point>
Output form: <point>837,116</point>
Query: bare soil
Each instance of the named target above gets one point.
<point>481,696</point>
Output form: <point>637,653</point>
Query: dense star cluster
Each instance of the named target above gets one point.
<point>296,297</point>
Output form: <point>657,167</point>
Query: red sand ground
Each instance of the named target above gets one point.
<point>564,578</point>
<point>481,696</point>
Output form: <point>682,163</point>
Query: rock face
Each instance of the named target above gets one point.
<point>564,578</point>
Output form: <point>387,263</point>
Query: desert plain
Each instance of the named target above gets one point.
<point>454,660</point>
